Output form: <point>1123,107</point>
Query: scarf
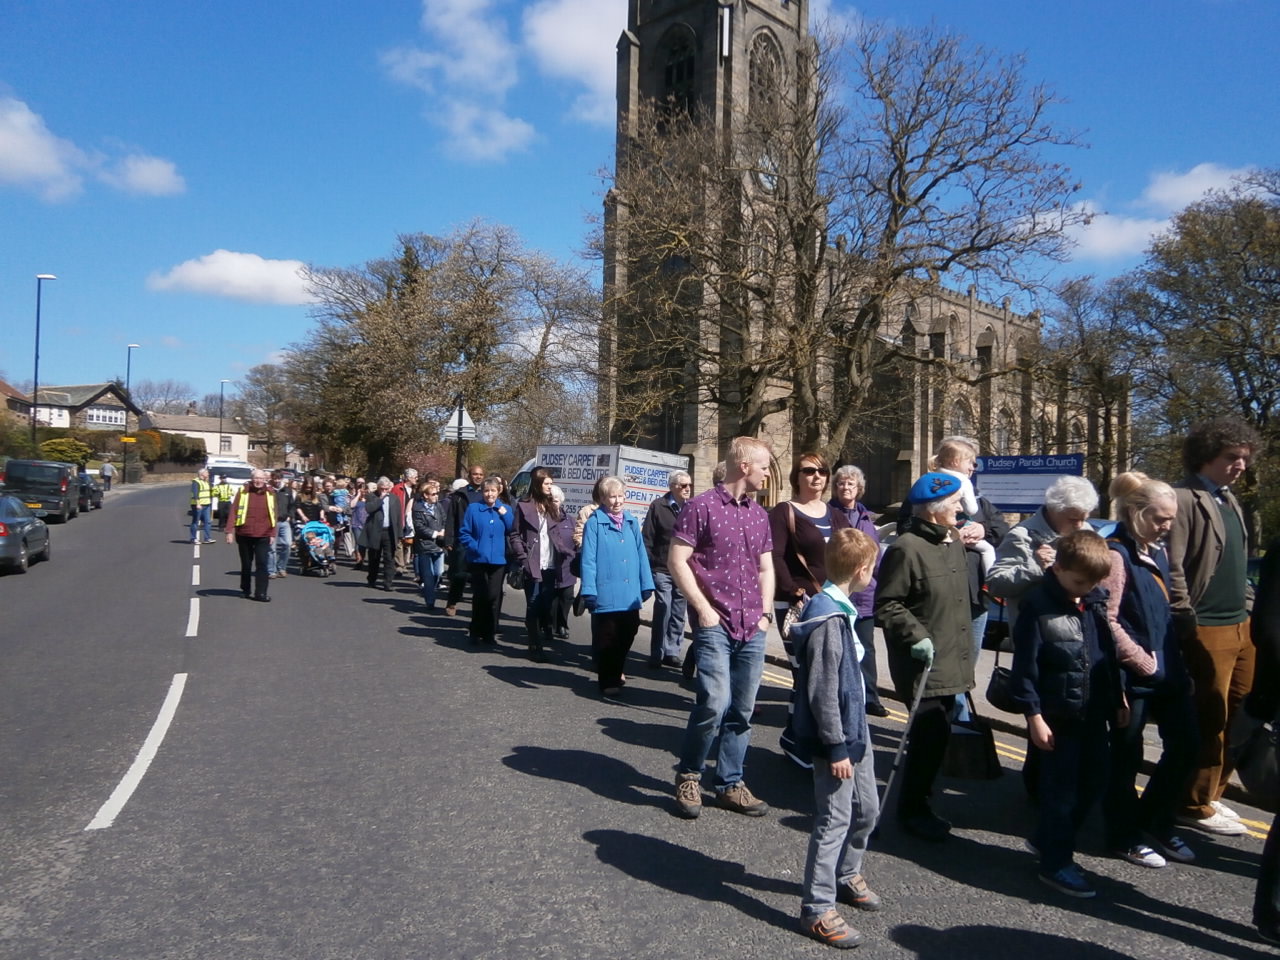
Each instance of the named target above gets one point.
<point>614,518</point>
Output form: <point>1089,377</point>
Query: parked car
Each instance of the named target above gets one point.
<point>23,536</point>
<point>46,486</point>
<point>90,492</point>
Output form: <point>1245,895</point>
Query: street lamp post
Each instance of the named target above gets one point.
<point>35,379</point>
<point>222,389</point>
<point>128,393</point>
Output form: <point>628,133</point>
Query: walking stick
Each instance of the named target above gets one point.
<point>906,734</point>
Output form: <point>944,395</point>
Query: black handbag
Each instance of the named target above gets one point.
<point>1000,689</point>
<point>971,751</point>
<point>518,578</point>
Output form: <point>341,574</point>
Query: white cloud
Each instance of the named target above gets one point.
<point>840,16</point>
<point>238,276</point>
<point>140,173</point>
<point>33,157</point>
<point>1109,236</point>
<point>482,133</point>
<point>576,40</point>
<point>1169,192</point>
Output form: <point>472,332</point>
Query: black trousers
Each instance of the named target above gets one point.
<point>459,572</point>
<point>1266,898</point>
<point>253,563</point>
<point>611,637</point>
<point>930,732</point>
<point>382,558</point>
<point>486,599</point>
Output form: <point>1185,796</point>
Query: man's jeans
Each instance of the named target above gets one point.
<point>668,618</point>
<point>278,560</point>
<point>845,813</point>
<point>200,518</point>
<point>728,678</point>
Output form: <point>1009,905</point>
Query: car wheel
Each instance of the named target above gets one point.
<point>65,515</point>
<point>21,561</point>
<point>47,552</point>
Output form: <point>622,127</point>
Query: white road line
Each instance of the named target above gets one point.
<point>108,812</point>
<point>197,551</point>
<point>195,575</point>
<point>193,618</point>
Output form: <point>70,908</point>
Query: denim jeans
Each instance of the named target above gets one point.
<point>428,567</point>
<point>200,518</point>
<point>845,813</point>
<point>278,560</point>
<point>728,678</point>
<point>978,626</point>
<point>668,618</point>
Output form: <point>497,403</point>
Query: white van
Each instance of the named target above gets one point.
<point>236,471</point>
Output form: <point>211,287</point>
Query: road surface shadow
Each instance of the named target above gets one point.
<point>979,941</point>
<point>606,776</point>
<point>692,874</point>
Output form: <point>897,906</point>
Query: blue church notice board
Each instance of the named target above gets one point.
<point>1017,484</point>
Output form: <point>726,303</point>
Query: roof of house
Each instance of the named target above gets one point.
<point>181,423</point>
<point>81,395</point>
<point>8,390</point>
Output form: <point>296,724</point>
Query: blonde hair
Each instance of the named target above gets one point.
<point>848,551</point>
<point>952,452</point>
<point>1135,494</point>
<point>742,449</point>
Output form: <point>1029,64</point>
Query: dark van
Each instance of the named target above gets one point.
<point>45,486</point>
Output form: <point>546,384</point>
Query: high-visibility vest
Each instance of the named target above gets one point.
<point>242,506</point>
<point>202,494</point>
<point>224,491</point>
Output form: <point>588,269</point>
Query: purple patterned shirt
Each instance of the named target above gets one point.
<point>728,536</point>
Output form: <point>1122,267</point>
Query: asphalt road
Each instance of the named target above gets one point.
<point>344,777</point>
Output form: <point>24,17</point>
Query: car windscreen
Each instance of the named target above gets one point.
<point>17,472</point>
<point>231,473</point>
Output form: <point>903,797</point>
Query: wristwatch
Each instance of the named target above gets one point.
<point>767,615</point>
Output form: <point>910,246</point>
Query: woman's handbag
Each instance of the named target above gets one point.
<point>1000,689</point>
<point>518,578</point>
<point>971,751</point>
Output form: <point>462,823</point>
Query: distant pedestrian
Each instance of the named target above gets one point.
<point>830,724</point>
<point>278,562</point>
<point>222,494</point>
<point>616,582</point>
<point>201,506</point>
<point>107,472</point>
<point>667,637</point>
<point>721,558</point>
<point>427,520</point>
<point>459,501</point>
<point>566,581</point>
<point>1066,679</point>
<point>483,537</point>
<point>384,527</point>
<point>254,517</point>
<point>541,543</point>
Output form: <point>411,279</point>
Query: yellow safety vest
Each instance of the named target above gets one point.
<point>203,495</point>
<point>242,506</point>
<point>224,491</point>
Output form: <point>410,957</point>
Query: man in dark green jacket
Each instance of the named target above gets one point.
<point>922,604</point>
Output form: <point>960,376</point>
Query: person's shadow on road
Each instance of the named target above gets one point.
<point>692,874</point>
<point>607,776</point>
<point>980,941</point>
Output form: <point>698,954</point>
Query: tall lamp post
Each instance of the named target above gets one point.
<point>222,390</point>
<point>128,393</point>
<point>35,379</point>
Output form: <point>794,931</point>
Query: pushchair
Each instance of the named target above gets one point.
<point>317,539</point>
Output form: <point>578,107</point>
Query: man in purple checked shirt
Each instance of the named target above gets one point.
<point>721,559</point>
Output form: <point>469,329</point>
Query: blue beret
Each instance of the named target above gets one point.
<point>933,486</point>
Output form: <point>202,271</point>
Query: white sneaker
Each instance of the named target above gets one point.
<point>1221,808</point>
<point>1142,855</point>
<point>1216,824</point>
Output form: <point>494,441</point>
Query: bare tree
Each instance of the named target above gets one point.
<point>760,271</point>
<point>162,396</point>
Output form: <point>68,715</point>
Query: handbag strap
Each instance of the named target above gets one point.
<point>791,528</point>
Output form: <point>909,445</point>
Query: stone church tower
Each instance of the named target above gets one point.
<point>701,56</point>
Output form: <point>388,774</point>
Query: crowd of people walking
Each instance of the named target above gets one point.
<point>1116,627</point>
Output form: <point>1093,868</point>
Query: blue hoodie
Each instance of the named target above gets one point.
<point>830,707</point>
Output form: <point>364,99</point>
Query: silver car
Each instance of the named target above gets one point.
<point>23,536</point>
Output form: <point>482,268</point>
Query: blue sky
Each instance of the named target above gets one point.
<point>174,163</point>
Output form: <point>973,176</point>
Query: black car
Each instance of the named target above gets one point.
<point>90,492</point>
<point>46,486</point>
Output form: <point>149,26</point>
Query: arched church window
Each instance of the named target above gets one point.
<point>765,73</point>
<point>1003,434</point>
<point>961,420</point>
<point>678,75</point>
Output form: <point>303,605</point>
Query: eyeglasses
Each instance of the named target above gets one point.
<point>810,471</point>
<point>684,486</point>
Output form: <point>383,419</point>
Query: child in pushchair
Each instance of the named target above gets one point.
<point>318,539</point>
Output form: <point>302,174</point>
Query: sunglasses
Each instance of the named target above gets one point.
<point>684,486</point>
<point>810,471</point>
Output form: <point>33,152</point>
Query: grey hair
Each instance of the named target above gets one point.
<point>410,472</point>
<point>382,480</point>
<point>847,471</point>
<point>610,483</point>
<point>557,493</point>
<point>967,441</point>
<point>677,478</point>
<point>495,482</point>
<point>1071,493</point>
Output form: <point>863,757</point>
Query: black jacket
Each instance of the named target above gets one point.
<point>656,531</point>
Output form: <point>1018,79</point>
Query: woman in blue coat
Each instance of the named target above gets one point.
<point>483,535</point>
<point>616,580</point>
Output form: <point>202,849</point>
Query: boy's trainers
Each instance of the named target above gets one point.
<point>856,893</point>
<point>741,800</point>
<point>1142,855</point>
<point>1174,848</point>
<point>832,929</point>
<point>1217,824</point>
<point>1069,880</point>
